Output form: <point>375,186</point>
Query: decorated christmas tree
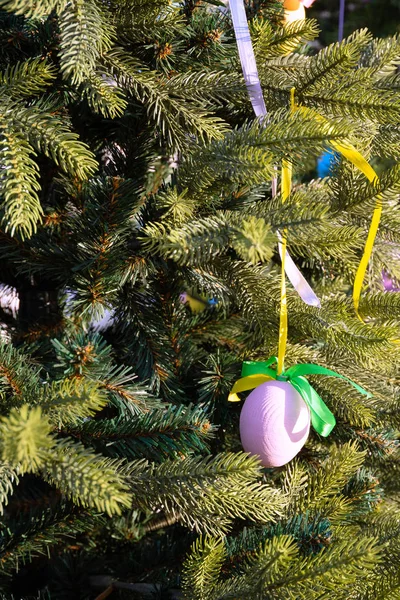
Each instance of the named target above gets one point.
<point>139,236</point>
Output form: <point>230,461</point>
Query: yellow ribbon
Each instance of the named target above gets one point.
<point>349,152</point>
<point>283,318</point>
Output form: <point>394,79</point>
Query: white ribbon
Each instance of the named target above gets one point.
<point>252,80</point>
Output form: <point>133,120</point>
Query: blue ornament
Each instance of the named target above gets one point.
<point>326,163</point>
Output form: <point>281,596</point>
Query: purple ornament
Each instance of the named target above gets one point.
<point>274,423</point>
<point>388,283</point>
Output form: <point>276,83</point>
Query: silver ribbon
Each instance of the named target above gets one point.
<point>253,85</point>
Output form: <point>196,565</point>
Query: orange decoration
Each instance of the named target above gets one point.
<point>291,4</point>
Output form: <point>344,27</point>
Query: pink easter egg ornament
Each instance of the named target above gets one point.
<point>274,423</point>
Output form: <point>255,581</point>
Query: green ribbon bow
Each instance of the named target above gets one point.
<point>257,372</point>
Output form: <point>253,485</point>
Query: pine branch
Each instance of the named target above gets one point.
<point>86,478</point>
<point>332,62</point>
<point>25,438</point>
<point>19,184</point>
<point>157,435</point>
<point>50,134</point>
<point>103,95</point>
<point>25,539</point>
<point>202,568</point>
<point>326,483</point>
<point>84,35</point>
<point>8,480</point>
<point>29,78</point>
<point>174,115</point>
<point>207,493</point>
<point>31,8</point>
<point>67,402</point>
<point>269,42</point>
<point>18,378</point>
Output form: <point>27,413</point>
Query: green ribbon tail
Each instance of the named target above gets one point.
<point>310,369</point>
<point>259,367</point>
<point>322,419</point>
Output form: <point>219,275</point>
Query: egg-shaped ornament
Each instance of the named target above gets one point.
<point>274,423</point>
<point>293,11</point>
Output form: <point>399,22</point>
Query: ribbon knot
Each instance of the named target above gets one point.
<point>258,372</point>
<point>283,377</point>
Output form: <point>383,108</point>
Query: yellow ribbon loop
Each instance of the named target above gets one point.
<point>348,151</point>
<point>245,384</point>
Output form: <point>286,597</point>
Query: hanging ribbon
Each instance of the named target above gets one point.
<point>258,372</point>
<point>253,85</point>
<point>348,151</point>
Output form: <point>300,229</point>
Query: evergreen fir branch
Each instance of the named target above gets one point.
<point>246,155</point>
<point>365,492</point>
<point>220,370</point>
<point>206,87</point>
<point>198,241</point>
<point>84,35</point>
<point>84,353</point>
<point>381,306</point>
<point>68,401</point>
<point>342,463</point>
<point>225,164</point>
<point>386,143</point>
<point>103,95</point>
<point>19,380</point>
<point>86,478</point>
<point>51,135</point>
<point>156,435</point>
<point>28,78</point>
<point>281,71</point>
<point>355,102</point>
<point>328,571</point>
<point>269,42</point>
<point>309,205</point>
<point>206,493</point>
<point>31,8</point>
<point>8,480</point>
<point>252,286</point>
<point>23,540</point>
<point>254,241</point>
<point>121,382</point>
<point>179,207</point>
<point>311,535</point>
<point>278,571</point>
<point>331,63</point>
<point>147,20</point>
<point>390,82</point>
<point>382,56</point>
<point>19,183</point>
<point>361,195</point>
<point>341,330</point>
<point>202,568</point>
<point>384,585</point>
<point>174,115</point>
<point>25,438</point>
<point>294,484</point>
<point>90,355</point>
<point>339,243</point>
<point>273,557</point>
